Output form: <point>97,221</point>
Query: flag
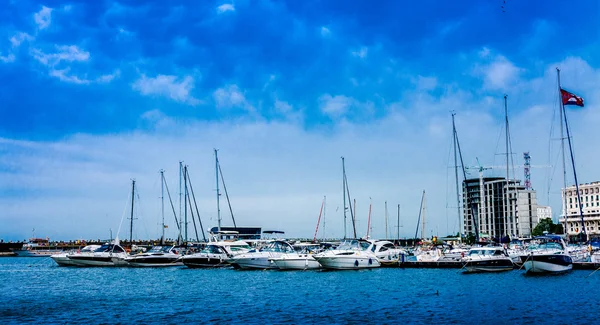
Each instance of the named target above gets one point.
<point>570,98</point>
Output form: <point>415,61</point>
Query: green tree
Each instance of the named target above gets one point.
<point>470,239</point>
<point>547,225</point>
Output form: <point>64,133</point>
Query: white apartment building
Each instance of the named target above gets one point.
<point>544,213</point>
<point>590,204</point>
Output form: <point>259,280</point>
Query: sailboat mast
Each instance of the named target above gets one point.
<point>580,205</point>
<point>420,212</point>
<point>319,220</point>
<point>386,221</point>
<point>218,194</point>
<point>506,203</point>
<point>131,221</point>
<point>162,203</point>
<point>185,209</point>
<point>423,233</point>
<point>368,219</point>
<point>180,201</point>
<point>562,149</point>
<point>398,230</point>
<point>344,191</point>
<point>455,138</point>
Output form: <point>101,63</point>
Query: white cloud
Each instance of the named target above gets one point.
<point>497,71</point>
<point>63,75</point>
<point>231,96</point>
<point>68,53</point>
<point>19,38</point>
<point>361,53</point>
<point>43,18</point>
<point>168,86</point>
<point>283,107</point>
<point>225,7</point>
<point>8,58</point>
<point>325,31</point>
<point>108,77</point>
<point>335,106</point>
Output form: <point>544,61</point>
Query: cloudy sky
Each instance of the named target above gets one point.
<point>96,93</point>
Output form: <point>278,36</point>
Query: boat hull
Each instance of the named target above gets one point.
<point>552,263</point>
<point>154,261</point>
<point>62,260</point>
<point>91,260</point>
<point>492,265</point>
<point>296,263</point>
<point>258,263</point>
<point>204,261</point>
<point>348,262</point>
<point>36,253</point>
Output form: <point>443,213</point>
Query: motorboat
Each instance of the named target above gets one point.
<point>259,259</point>
<point>548,256</point>
<point>351,254</point>
<point>37,247</point>
<point>439,253</point>
<point>216,254</point>
<point>386,252</point>
<point>487,259</point>
<point>301,259</point>
<point>105,255</point>
<point>62,260</point>
<point>157,256</point>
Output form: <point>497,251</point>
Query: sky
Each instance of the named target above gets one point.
<point>97,93</point>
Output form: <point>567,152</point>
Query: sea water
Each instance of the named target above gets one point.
<point>36,290</point>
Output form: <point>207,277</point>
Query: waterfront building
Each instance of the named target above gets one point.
<point>590,204</point>
<point>507,208</point>
<point>544,213</point>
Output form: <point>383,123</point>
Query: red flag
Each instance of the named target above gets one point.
<point>570,99</point>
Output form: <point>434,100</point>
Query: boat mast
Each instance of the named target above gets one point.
<point>506,204</point>
<point>580,205</point>
<point>162,204</point>
<point>386,221</point>
<point>319,220</point>
<point>131,221</point>
<point>186,198</point>
<point>180,201</point>
<point>420,211</point>
<point>398,230</point>
<point>454,136</point>
<point>369,219</point>
<point>423,233</point>
<point>344,191</point>
<point>562,149</point>
<point>218,194</point>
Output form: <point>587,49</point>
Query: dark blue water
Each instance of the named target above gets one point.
<point>35,290</point>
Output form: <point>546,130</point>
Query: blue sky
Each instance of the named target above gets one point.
<point>98,92</point>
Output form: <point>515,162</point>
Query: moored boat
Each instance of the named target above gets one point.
<point>351,254</point>
<point>157,256</point>
<point>105,255</point>
<point>487,259</point>
<point>62,260</point>
<point>216,254</point>
<point>549,256</point>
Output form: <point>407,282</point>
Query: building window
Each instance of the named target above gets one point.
<point>586,199</point>
<point>570,200</point>
<point>586,191</point>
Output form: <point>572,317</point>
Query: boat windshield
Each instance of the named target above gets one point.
<point>353,244</point>
<point>485,252</point>
<point>160,249</point>
<point>109,248</point>
<point>212,249</point>
<point>278,246</point>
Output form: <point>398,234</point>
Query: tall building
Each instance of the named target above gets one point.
<point>485,201</point>
<point>544,213</point>
<point>590,204</point>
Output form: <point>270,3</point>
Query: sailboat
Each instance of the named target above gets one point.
<point>351,253</point>
<point>552,255</point>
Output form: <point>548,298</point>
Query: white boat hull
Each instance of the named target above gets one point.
<point>306,262</point>
<point>98,261</point>
<point>36,253</point>
<point>253,263</point>
<point>544,267</point>
<point>348,262</point>
<point>62,259</point>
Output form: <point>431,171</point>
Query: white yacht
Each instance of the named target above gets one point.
<point>440,254</point>
<point>351,254</point>
<point>259,259</point>
<point>487,259</point>
<point>387,252</point>
<point>62,260</point>
<point>157,256</point>
<point>549,256</point>
<point>216,254</point>
<point>105,255</point>
<point>301,259</point>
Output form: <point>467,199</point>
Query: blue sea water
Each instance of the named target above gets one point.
<point>35,290</point>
